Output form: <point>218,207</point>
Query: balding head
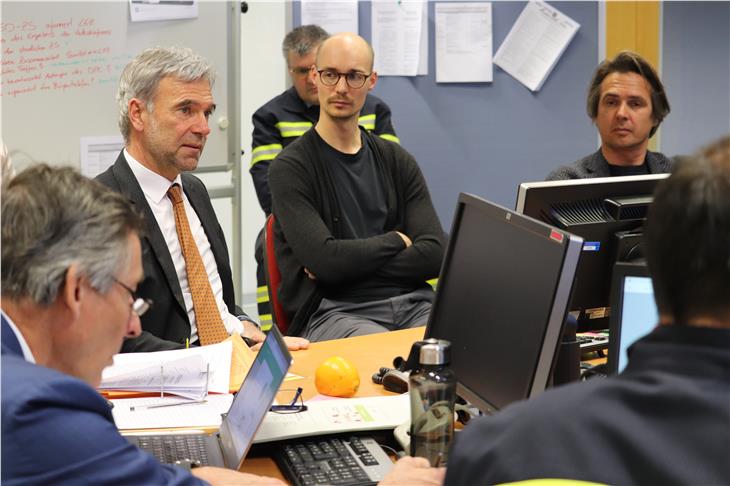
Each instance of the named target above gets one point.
<point>347,44</point>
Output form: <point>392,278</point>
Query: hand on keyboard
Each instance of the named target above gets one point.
<point>414,471</point>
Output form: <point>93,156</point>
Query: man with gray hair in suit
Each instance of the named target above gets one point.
<point>165,100</point>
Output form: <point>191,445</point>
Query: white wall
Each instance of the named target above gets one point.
<point>263,76</point>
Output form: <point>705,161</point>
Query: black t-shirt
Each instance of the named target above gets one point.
<point>631,170</point>
<point>359,189</point>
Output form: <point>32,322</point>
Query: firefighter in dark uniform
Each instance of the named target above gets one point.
<point>288,116</point>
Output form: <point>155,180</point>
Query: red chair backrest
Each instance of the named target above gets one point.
<point>273,277</point>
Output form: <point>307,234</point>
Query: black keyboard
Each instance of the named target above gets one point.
<point>346,461</point>
<point>592,341</point>
<point>170,449</point>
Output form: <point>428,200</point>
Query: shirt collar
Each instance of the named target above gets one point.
<point>153,184</point>
<point>27,353</point>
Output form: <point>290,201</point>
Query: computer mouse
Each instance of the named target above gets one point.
<point>395,381</point>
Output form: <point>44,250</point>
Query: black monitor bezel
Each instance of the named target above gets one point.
<point>551,192</point>
<point>554,327</point>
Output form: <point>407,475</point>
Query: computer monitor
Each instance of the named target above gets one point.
<point>633,311</point>
<point>501,301</point>
<point>608,214</point>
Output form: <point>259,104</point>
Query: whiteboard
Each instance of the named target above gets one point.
<point>61,63</point>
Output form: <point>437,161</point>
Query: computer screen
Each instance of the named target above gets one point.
<point>634,313</point>
<point>608,213</point>
<point>501,301</point>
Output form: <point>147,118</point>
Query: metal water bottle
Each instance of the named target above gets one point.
<point>432,393</point>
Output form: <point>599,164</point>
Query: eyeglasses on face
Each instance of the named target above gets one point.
<point>140,305</point>
<point>299,72</point>
<point>354,79</point>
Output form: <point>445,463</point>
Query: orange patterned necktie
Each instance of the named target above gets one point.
<point>207,316</point>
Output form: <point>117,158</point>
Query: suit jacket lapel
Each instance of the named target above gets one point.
<point>129,186</point>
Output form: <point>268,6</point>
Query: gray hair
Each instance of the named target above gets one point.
<point>302,40</point>
<point>53,217</point>
<point>142,75</point>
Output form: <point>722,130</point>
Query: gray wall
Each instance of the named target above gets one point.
<point>696,74</point>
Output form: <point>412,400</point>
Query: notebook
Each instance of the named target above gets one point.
<point>229,446</point>
<point>633,312</point>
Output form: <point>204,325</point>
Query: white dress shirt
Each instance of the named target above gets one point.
<point>155,187</point>
<point>27,353</point>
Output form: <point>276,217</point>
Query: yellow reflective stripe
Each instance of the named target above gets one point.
<point>293,129</point>
<point>390,137</point>
<point>433,282</point>
<point>265,152</point>
<point>367,121</point>
<point>265,322</point>
<point>552,482</point>
<point>262,294</point>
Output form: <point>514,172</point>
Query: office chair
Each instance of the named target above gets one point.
<point>273,277</point>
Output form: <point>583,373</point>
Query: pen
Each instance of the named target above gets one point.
<point>161,405</point>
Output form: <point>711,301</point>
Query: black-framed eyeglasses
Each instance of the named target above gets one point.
<point>292,407</point>
<point>140,305</point>
<point>354,79</point>
<point>299,71</point>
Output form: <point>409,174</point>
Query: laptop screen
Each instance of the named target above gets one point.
<point>254,398</point>
<point>635,314</point>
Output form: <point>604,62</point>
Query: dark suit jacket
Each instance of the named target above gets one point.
<point>595,165</point>
<point>58,430</point>
<point>166,325</point>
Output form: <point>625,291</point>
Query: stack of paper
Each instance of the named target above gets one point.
<point>190,373</point>
<point>169,412</point>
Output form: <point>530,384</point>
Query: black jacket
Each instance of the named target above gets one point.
<point>664,420</point>
<point>595,165</point>
<point>166,325</point>
<point>308,231</point>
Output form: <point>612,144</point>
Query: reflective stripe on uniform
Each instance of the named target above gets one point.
<point>265,152</point>
<point>262,294</point>
<point>433,283</point>
<point>265,322</point>
<point>367,121</point>
<point>293,129</point>
<point>390,137</point>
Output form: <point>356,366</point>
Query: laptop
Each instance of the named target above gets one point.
<point>229,446</point>
<point>633,312</point>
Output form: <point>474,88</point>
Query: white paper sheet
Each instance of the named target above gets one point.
<point>207,414</point>
<point>144,10</point>
<point>463,42</point>
<point>218,356</point>
<point>399,38</point>
<point>99,153</point>
<point>535,43</point>
<point>334,17</point>
<point>337,415</point>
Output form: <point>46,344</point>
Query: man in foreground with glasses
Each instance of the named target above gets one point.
<point>289,115</point>
<point>356,234</point>
<point>71,261</point>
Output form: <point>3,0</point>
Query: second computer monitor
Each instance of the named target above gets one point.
<point>501,301</point>
<point>608,213</point>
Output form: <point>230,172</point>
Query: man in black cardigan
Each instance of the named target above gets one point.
<point>356,234</point>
